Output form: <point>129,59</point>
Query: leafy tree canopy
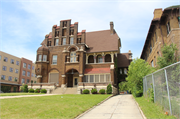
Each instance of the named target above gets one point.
<point>168,56</point>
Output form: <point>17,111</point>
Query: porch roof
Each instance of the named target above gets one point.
<point>96,70</point>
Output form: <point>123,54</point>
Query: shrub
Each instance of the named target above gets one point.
<point>109,89</point>
<point>25,89</point>
<point>86,91</point>
<point>37,90</point>
<point>137,91</point>
<point>43,91</point>
<point>31,90</point>
<point>102,91</point>
<point>94,91</point>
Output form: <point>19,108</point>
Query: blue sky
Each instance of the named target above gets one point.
<point>24,23</point>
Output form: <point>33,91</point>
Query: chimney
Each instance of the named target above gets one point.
<point>111,28</point>
<point>157,13</point>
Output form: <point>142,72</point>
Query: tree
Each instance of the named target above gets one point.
<point>138,68</point>
<point>109,89</point>
<point>168,55</point>
<point>25,89</point>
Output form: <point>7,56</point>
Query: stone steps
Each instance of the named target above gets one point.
<point>71,91</point>
<point>57,91</point>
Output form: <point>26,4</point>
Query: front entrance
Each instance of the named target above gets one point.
<point>72,78</point>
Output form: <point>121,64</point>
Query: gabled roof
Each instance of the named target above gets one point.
<point>99,41</point>
<point>123,60</point>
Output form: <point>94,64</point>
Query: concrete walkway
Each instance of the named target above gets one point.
<point>117,107</point>
<point>19,96</point>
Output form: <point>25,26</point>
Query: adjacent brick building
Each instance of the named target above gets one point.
<point>164,29</point>
<point>15,71</point>
<point>83,59</point>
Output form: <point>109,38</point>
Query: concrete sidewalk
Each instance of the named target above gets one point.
<point>117,107</point>
<point>19,96</point>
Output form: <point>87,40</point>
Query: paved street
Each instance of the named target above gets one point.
<point>117,107</point>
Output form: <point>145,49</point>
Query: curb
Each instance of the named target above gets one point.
<point>92,107</point>
<point>144,117</point>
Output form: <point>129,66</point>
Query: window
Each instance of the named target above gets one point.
<point>23,73</point>
<point>24,65</point>
<point>54,60</point>
<point>10,78</point>
<point>28,74</point>
<point>100,60</point>
<point>4,68</point>
<point>35,75</point>
<point>5,59</point>
<point>12,61</point>
<point>29,66</point>
<point>152,64</point>
<point>0,57</point>
<point>57,42</point>
<point>71,40</point>
<point>17,62</point>
<point>3,77</point>
<point>31,81</point>
<point>120,71</point>
<point>168,27</point>
<point>97,78</point>
<point>44,58</point>
<point>73,56</point>
<point>11,69</point>
<point>16,70</point>
<point>33,67</point>
<point>125,71</point>
<point>64,41</point>
<point>32,74</point>
<point>27,81</point>
<point>15,79</point>
<point>23,81</point>
<point>40,58</point>
<point>150,48</point>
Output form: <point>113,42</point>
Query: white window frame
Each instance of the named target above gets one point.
<point>4,68</point>
<point>24,73</point>
<point>71,40</point>
<point>23,81</point>
<point>104,74</point>
<point>28,74</point>
<point>39,57</point>
<point>24,65</point>
<point>64,41</point>
<point>57,42</point>
<point>54,59</point>
<point>100,59</point>
<point>73,57</point>
<point>44,58</point>
<point>10,69</point>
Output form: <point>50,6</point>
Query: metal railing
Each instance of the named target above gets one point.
<point>166,86</point>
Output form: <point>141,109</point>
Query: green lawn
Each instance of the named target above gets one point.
<point>16,94</point>
<point>151,110</point>
<point>56,106</point>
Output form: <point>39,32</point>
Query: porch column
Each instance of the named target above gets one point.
<point>94,58</point>
<point>103,57</point>
<point>86,59</point>
<point>63,79</point>
<point>112,57</point>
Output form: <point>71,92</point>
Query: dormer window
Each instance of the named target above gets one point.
<point>72,32</point>
<point>57,34</point>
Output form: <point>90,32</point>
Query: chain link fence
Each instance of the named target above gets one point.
<point>166,86</point>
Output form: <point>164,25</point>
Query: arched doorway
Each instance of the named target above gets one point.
<point>72,78</point>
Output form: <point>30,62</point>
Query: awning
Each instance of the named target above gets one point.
<point>11,84</point>
<point>96,70</point>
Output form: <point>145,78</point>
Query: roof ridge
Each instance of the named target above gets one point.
<point>98,31</point>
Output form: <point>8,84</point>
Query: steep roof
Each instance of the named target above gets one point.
<point>175,6</point>
<point>99,41</point>
<point>123,60</point>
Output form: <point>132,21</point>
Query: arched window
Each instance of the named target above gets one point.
<point>99,59</point>
<point>91,59</point>
<point>107,58</point>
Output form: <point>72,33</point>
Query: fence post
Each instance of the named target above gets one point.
<point>153,86</point>
<point>168,91</point>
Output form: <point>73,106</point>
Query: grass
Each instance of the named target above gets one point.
<point>150,109</point>
<point>56,106</point>
<point>17,94</point>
